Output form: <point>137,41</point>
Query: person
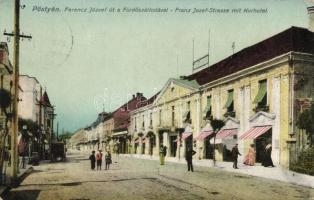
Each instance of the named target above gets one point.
<point>162,155</point>
<point>99,159</point>
<point>267,158</point>
<point>235,152</point>
<point>250,157</point>
<point>188,157</point>
<point>92,159</point>
<point>108,160</point>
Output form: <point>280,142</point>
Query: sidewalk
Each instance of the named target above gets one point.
<point>22,173</point>
<point>275,173</point>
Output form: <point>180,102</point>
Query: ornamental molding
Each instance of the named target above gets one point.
<point>262,119</point>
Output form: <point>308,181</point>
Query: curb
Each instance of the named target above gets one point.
<point>6,188</point>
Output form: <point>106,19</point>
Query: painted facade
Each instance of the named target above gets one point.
<point>256,94</point>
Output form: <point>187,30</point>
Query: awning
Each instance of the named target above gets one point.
<point>137,140</point>
<point>261,92</point>
<point>203,135</point>
<point>230,99</point>
<point>226,133</point>
<point>186,135</point>
<point>145,140</point>
<point>254,132</point>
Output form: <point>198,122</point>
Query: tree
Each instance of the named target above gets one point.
<point>216,124</point>
<point>65,136</point>
<point>305,121</point>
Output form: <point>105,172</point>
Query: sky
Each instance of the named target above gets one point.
<point>94,62</point>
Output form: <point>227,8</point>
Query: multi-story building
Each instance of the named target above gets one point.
<point>29,104</point>
<point>256,91</point>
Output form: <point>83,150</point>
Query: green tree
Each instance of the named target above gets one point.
<point>216,124</point>
<point>65,136</point>
<point>305,121</point>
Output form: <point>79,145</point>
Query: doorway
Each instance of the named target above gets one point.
<point>173,146</point>
<point>209,149</point>
<point>260,144</point>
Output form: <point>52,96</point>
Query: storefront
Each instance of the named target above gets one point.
<point>226,138</point>
<point>204,136</point>
<point>261,134</point>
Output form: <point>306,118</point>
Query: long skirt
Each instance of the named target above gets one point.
<point>162,159</point>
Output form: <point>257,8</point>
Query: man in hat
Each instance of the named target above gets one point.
<point>92,159</point>
<point>235,152</point>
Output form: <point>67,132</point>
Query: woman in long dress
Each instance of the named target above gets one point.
<point>250,157</point>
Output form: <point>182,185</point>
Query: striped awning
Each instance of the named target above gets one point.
<point>226,133</point>
<point>203,135</point>
<point>186,135</point>
<point>254,132</point>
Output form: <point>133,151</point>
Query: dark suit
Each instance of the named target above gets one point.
<point>189,156</point>
<point>235,152</point>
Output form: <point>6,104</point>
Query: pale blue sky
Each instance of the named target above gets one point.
<point>115,55</point>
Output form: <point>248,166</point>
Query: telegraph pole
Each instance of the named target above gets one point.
<point>16,47</point>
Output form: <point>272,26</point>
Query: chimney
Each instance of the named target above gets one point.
<point>138,94</point>
<point>310,11</point>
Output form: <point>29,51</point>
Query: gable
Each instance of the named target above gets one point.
<point>231,123</point>
<point>262,119</point>
<point>175,88</point>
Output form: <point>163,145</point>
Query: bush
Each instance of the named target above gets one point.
<point>305,163</point>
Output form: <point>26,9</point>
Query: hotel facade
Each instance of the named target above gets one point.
<point>258,92</point>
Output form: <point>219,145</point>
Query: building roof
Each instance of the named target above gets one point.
<point>148,101</point>
<point>121,115</point>
<point>293,39</point>
<point>45,100</point>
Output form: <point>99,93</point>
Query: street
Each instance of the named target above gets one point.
<point>131,178</point>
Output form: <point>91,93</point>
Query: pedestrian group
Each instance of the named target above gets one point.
<point>97,159</point>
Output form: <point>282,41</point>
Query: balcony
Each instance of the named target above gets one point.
<point>264,108</point>
<point>230,114</point>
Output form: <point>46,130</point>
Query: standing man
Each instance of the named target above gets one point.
<point>162,155</point>
<point>235,152</point>
<point>92,159</point>
<point>108,160</point>
<point>99,159</point>
<point>188,157</point>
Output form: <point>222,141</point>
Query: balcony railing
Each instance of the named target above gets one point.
<point>230,114</point>
<point>261,108</point>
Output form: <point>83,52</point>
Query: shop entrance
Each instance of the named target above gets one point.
<point>143,148</point>
<point>173,145</point>
<point>209,149</point>
<point>260,144</point>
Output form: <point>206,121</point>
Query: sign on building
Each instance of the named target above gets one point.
<point>201,62</point>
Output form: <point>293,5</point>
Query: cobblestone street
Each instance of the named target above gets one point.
<point>131,178</point>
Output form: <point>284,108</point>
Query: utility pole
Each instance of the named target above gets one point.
<point>16,46</point>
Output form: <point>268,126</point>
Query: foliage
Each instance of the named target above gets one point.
<point>65,136</point>
<point>217,124</point>
<point>5,99</point>
<point>305,163</point>
<point>30,126</point>
<point>306,121</point>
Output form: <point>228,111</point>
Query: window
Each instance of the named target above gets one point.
<point>151,119</point>
<point>160,116</point>
<point>208,109</point>
<point>261,97</point>
<point>187,115</point>
<point>143,123</point>
<point>135,127</point>
<point>229,104</point>
<point>172,116</point>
